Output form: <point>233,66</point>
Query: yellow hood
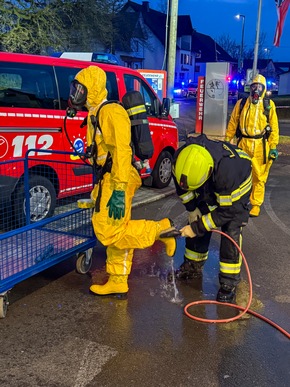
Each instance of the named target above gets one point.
<point>94,78</point>
<point>262,80</point>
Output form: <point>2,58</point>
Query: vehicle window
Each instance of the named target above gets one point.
<point>27,86</point>
<point>64,77</point>
<point>66,74</point>
<point>112,86</point>
<point>133,82</point>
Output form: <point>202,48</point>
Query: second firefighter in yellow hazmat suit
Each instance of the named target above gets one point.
<point>256,136</point>
<point>119,180</point>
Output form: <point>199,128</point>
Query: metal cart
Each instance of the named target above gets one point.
<point>38,245</point>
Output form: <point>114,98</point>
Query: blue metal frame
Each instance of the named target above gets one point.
<point>30,249</point>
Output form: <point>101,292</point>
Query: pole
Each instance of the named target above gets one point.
<point>240,64</point>
<point>172,47</point>
<point>256,50</point>
<point>164,64</point>
<point>242,45</point>
<point>240,60</point>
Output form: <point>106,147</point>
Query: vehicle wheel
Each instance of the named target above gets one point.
<point>84,261</point>
<point>3,305</point>
<point>162,171</point>
<point>42,200</point>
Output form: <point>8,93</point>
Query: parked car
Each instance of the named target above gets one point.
<point>33,100</point>
<point>180,90</point>
<point>192,89</point>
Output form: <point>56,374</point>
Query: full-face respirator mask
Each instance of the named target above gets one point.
<point>257,90</point>
<point>77,98</point>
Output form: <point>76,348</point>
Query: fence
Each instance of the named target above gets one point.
<point>41,223</point>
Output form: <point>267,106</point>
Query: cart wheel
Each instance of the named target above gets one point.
<point>84,261</point>
<point>3,305</point>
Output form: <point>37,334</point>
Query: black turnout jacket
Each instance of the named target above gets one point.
<point>224,197</point>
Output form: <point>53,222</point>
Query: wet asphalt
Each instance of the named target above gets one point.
<point>57,334</point>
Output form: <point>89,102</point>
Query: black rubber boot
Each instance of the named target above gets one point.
<point>189,270</point>
<point>227,293</point>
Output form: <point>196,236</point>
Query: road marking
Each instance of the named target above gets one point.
<point>272,215</point>
<point>94,358</point>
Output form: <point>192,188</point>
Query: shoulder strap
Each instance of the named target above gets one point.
<point>242,104</point>
<point>96,123</point>
<point>267,107</point>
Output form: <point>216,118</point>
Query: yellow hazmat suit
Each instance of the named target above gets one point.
<point>252,123</point>
<point>121,236</point>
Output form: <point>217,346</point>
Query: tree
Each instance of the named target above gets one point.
<point>39,26</point>
<point>85,24</point>
<point>229,45</point>
<point>29,26</point>
<point>114,33</point>
<point>163,5</point>
<point>232,48</point>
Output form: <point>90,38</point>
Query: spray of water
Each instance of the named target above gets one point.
<point>169,287</point>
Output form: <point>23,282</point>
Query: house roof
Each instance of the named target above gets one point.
<point>282,64</point>
<point>208,50</point>
<point>156,20</point>
<point>282,67</point>
<point>261,63</point>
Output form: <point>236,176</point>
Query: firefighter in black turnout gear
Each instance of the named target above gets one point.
<point>213,180</point>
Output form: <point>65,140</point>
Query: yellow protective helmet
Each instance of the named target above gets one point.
<point>193,167</point>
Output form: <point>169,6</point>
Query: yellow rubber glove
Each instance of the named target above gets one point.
<point>187,232</point>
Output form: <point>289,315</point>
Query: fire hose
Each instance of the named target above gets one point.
<point>243,309</point>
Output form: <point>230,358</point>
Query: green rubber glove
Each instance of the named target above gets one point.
<point>273,154</point>
<point>116,205</point>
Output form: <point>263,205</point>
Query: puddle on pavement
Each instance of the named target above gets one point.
<point>153,262</point>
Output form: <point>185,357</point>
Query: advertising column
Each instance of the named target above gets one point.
<point>216,99</point>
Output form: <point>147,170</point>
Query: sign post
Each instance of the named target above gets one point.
<point>199,105</point>
<point>216,99</point>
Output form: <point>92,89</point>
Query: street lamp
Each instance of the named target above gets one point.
<point>243,17</point>
<point>267,51</point>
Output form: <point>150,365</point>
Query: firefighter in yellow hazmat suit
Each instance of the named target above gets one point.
<point>256,136</point>
<point>119,180</point>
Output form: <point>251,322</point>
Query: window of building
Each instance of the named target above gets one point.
<point>186,59</point>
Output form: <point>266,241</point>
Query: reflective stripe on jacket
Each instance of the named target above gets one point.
<point>228,188</point>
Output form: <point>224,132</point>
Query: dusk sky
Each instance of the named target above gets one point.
<point>217,17</point>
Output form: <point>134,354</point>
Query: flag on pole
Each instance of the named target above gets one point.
<point>282,8</point>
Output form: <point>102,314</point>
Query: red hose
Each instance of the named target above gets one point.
<point>244,310</point>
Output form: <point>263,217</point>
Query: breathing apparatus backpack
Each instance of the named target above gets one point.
<point>141,141</point>
<point>141,138</point>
